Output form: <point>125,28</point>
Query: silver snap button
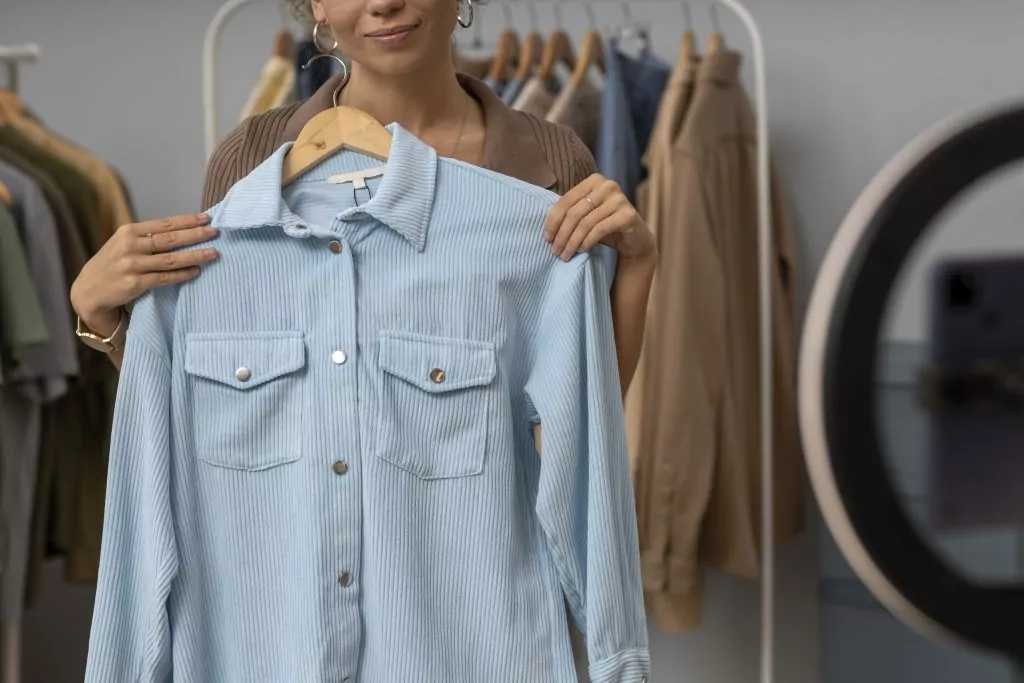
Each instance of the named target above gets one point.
<point>334,246</point>
<point>345,579</point>
<point>437,376</point>
<point>341,468</point>
<point>339,357</point>
<point>243,374</point>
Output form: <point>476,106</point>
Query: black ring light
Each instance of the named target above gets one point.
<point>844,450</point>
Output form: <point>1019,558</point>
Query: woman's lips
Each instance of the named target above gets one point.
<point>392,35</point>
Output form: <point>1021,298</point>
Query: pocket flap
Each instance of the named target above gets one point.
<point>244,360</point>
<point>437,364</point>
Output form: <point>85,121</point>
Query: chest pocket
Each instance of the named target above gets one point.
<point>247,397</point>
<point>436,401</point>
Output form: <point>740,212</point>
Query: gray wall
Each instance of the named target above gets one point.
<point>850,82</point>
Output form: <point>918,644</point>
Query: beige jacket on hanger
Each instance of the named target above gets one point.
<point>275,87</point>
<point>579,108</point>
<point>653,195</point>
<point>535,98</point>
<point>700,422</point>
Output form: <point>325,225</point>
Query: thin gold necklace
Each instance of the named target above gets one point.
<point>462,128</point>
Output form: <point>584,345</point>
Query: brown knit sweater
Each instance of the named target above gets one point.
<point>519,144</point>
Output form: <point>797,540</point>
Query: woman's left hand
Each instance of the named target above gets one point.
<point>596,211</point>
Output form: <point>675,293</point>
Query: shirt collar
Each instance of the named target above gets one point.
<point>511,147</point>
<point>403,201</point>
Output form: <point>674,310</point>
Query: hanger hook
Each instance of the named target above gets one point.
<point>282,11</point>
<point>531,8</point>
<point>589,8</point>
<point>713,8</point>
<point>556,8</point>
<point>687,17</point>
<point>627,16</point>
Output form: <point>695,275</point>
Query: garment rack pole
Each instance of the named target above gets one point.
<point>211,62</point>
<point>13,56</point>
<point>765,275</point>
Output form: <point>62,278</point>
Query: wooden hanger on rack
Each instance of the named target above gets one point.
<point>6,198</point>
<point>689,42</point>
<point>529,56</point>
<point>332,131</point>
<point>591,54</point>
<point>11,106</point>
<point>505,55</point>
<point>716,41</point>
<point>687,48</point>
<point>284,44</point>
<point>557,50</point>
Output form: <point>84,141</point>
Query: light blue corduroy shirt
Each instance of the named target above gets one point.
<point>323,465</point>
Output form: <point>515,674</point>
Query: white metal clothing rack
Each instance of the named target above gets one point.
<point>13,56</point>
<point>764,231</point>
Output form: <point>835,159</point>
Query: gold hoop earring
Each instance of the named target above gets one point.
<point>466,23</point>
<point>316,39</point>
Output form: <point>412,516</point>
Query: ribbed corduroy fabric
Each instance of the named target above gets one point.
<point>323,464</point>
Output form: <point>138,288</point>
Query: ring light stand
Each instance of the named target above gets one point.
<point>837,399</point>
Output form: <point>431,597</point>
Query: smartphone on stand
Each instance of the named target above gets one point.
<point>974,390</point>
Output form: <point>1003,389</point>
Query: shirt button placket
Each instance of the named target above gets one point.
<point>340,368</point>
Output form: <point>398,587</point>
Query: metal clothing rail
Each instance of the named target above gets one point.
<point>211,62</point>
<point>13,56</point>
<point>765,275</point>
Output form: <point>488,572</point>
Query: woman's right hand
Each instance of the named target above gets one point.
<point>130,264</point>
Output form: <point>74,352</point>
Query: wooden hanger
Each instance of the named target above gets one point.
<point>591,54</point>
<point>11,106</point>
<point>504,56</point>
<point>284,44</point>
<point>716,43</point>
<point>687,48</point>
<point>330,132</point>
<point>529,56</point>
<point>6,198</point>
<point>558,49</point>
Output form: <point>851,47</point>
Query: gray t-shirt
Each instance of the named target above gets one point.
<point>53,362</point>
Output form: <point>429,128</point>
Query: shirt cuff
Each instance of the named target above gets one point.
<point>628,666</point>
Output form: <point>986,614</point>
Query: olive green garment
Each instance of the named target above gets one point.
<point>21,317</point>
<point>71,478</point>
<point>80,193</point>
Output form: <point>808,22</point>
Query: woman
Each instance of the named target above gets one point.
<point>402,71</point>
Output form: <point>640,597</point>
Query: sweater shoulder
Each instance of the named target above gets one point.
<point>570,159</point>
<point>242,150</point>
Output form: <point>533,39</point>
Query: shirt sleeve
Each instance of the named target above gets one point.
<point>585,501</point>
<point>130,638</point>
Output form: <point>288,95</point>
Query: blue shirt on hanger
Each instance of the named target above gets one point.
<point>323,465</point>
<point>629,106</point>
<point>511,91</point>
<point>494,85</point>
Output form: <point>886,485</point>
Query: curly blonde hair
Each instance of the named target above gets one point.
<point>301,11</point>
